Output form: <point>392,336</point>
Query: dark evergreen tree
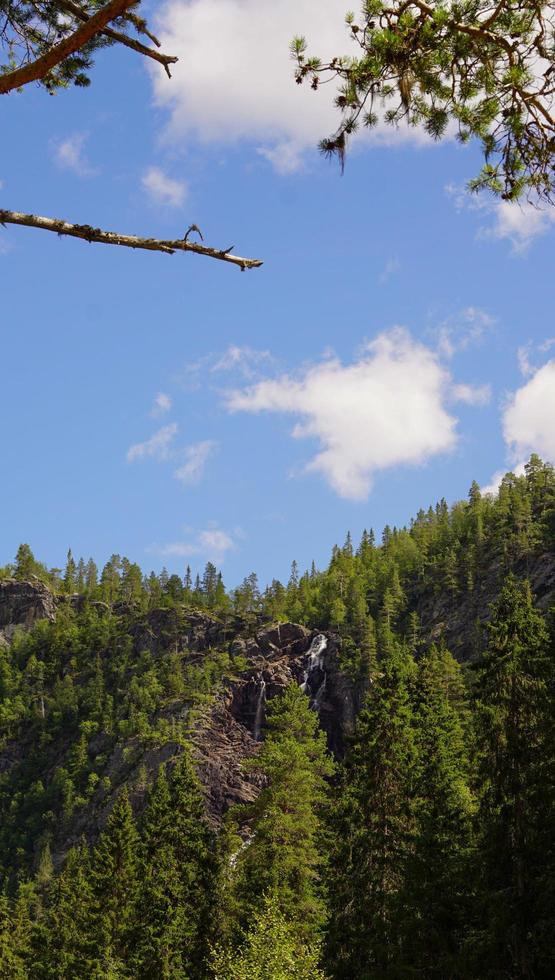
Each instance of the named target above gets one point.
<point>67,952</point>
<point>373,828</point>
<point>178,879</point>
<point>114,882</point>
<point>515,718</point>
<point>437,900</point>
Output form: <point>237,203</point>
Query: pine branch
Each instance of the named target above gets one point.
<point>90,234</point>
<point>120,37</point>
<point>36,70</point>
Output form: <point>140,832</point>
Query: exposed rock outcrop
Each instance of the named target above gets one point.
<point>22,604</point>
<point>230,732</point>
<point>458,618</point>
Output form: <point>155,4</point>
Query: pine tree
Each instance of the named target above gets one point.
<point>25,563</point>
<point>284,856</point>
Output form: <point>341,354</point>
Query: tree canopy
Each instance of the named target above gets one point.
<point>473,68</point>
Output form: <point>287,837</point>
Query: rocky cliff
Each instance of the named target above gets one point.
<point>228,727</point>
<point>225,731</point>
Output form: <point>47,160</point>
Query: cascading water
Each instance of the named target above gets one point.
<point>314,678</point>
<point>259,716</point>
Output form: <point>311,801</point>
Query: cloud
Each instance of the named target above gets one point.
<point>520,223</point>
<point>463,330</point>
<point>162,404</point>
<point>516,222</point>
<point>196,457</point>
<point>211,544</point>
<point>242,359</point>
<point>70,155</point>
<point>528,424</point>
<point>164,189</point>
<point>390,268</point>
<point>493,486</point>
<point>245,362</point>
<point>234,80</point>
<point>529,350</point>
<point>384,410</point>
<point>157,447</point>
<point>471,394</point>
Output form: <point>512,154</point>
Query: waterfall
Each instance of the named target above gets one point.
<point>314,677</point>
<point>259,716</point>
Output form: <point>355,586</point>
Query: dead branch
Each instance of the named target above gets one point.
<point>90,234</point>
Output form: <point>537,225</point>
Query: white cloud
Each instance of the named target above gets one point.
<point>70,155</point>
<point>196,457</point>
<point>245,362</point>
<point>520,223</point>
<point>234,78</point>
<point>471,394</point>
<point>528,419</point>
<point>164,189</point>
<point>242,359</point>
<point>386,409</point>
<point>493,485</point>
<point>211,544</point>
<point>162,404</point>
<point>516,222</point>
<point>390,268</point>
<point>527,351</point>
<point>157,447</point>
<point>464,329</point>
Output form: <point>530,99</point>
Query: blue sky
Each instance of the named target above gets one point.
<point>394,346</point>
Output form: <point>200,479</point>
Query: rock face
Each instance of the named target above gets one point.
<point>458,619</point>
<point>22,604</point>
<point>231,732</point>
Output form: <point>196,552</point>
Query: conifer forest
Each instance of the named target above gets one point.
<point>383,728</point>
<point>231,749</point>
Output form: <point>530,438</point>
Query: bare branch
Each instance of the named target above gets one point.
<point>39,68</point>
<point>120,37</point>
<point>90,234</point>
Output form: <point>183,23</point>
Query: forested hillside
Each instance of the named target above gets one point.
<point>349,775</point>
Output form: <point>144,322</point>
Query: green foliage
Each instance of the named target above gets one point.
<point>515,718</point>
<point>178,879</point>
<point>459,64</point>
<point>270,951</point>
<point>373,825</point>
<point>436,857</point>
<point>284,854</point>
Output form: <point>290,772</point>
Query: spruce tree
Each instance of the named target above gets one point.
<point>114,880</point>
<point>372,827</point>
<point>15,943</point>
<point>515,718</point>
<point>436,899</point>
<point>176,900</point>
<point>67,952</point>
